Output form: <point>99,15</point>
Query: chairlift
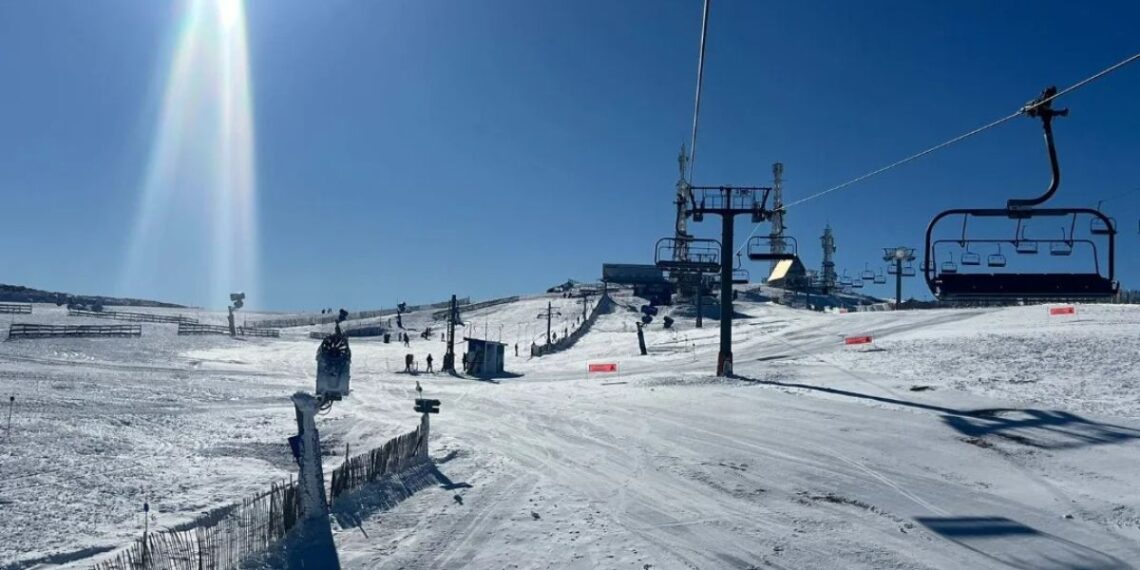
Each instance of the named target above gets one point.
<point>908,270</point>
<point>970,258</point>
<point>844,279</point>
<point>688,255</point>
<point>1061,248</point>
<point>880,277</point>
<point>769,248</point>
<point>867,274</point>
<point>996,259</point>
<point>892,269</point>
<point>857,284</point>
<point>946,282</point>
<point>949,266</point>
<point>741,276</point>
<point>1099,227</point>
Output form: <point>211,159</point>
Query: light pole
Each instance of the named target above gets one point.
<point>897,255</point>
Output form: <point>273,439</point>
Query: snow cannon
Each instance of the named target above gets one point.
<point>334,359</point>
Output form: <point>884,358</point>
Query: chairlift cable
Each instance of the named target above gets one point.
<point>958,138</point>
<point>700,83</point>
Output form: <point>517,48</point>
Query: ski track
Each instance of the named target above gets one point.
<point>818,457</point>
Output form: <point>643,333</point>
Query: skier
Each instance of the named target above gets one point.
<point>516,349</point>
<point>429,362</point>
<point>465,362</point>
<point>408,363</point>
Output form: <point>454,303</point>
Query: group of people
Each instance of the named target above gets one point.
<point>410,363</point>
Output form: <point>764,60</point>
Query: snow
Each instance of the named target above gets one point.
<point>969,438</point>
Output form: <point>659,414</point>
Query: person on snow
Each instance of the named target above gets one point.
<point>429,362</point>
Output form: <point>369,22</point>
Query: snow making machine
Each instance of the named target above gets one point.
<point>334,360</point>
<point>1089,275</point>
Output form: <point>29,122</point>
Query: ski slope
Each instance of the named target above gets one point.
<point>973,438</point>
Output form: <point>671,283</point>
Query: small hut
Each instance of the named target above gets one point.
<point>484,357</point>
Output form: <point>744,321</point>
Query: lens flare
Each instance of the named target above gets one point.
<point>195,231</point>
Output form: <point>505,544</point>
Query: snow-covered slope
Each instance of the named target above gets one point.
<point>982,438</point>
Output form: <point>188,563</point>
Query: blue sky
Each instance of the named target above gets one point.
<point>406,150</point>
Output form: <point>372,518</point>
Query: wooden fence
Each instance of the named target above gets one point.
<point>395,456</point>
<point>134,317</point>
<point>221,540</point>
<point>195,329</point>
<point>25,330</point>
<point>438,315</point>
<point>603,306</point>
<point>16,308</point>
<point>330,318</point>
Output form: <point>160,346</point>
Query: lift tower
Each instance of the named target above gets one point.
<point>728,202</point>
<point>827,276</point>
<point>777,235</point>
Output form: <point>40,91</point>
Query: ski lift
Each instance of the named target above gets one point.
<point>844,279</point>
<point>996,259</point>
<point>908,270</point>
<point>892,269</point>
<point>867,274</point>
<point>740,275</point>
<point>1102,227</point>
<point>970,258</point>
<point>949,266</point>
<point>695,255</point>
<point>1061,248</point>
<point>947,282</point>
<point>857,284</point>
<point>881,278</point>
<point>769,248</point>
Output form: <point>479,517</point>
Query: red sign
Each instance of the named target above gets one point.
<point>603,367</point>
<point>1069,310</point>
<point>857,340</point>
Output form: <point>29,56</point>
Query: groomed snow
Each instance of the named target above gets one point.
<point>980,438</point>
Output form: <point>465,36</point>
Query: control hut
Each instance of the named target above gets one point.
<point>485,357</point>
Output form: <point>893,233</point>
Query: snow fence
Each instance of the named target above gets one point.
<point>33,330</point>
<point>395,456</point>
<point>234,536</point>
<point>604,305</point>
<point>133,317</point>
<point>222,539</point>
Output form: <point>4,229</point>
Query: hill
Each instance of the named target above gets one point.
<point>21,294</point>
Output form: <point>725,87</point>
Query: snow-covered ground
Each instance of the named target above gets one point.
<point>979,438</point>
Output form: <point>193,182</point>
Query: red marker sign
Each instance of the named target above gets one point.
<point>1068,310</point>
<point>602,367</point>
<point>857,340</point>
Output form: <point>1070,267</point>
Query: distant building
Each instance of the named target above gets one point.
<point>789,274</point>
<point>485,357</point>
<point>648,281</point>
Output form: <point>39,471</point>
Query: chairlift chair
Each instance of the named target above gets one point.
<point>881,278</point>
<point>995,259</point>
<point>949,266</point>
<point>844,279</point>
<point>908,270</point>
<point>970,258</point>
<point>857,284</point>
<point>688,255</point>
<point>892,269</point>
<point>947,283</point>
<point>760,248</point>
<point>867,274</point>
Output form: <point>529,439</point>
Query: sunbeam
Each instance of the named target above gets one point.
<point>195,231</point>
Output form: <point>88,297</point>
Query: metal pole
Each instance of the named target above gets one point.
<point>11,404</point>
<point>898,282</point>
<point>549,313</point>
<point>724,359</point>
<point>700,301</point>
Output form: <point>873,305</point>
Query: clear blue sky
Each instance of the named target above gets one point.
<point>410,149</point>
